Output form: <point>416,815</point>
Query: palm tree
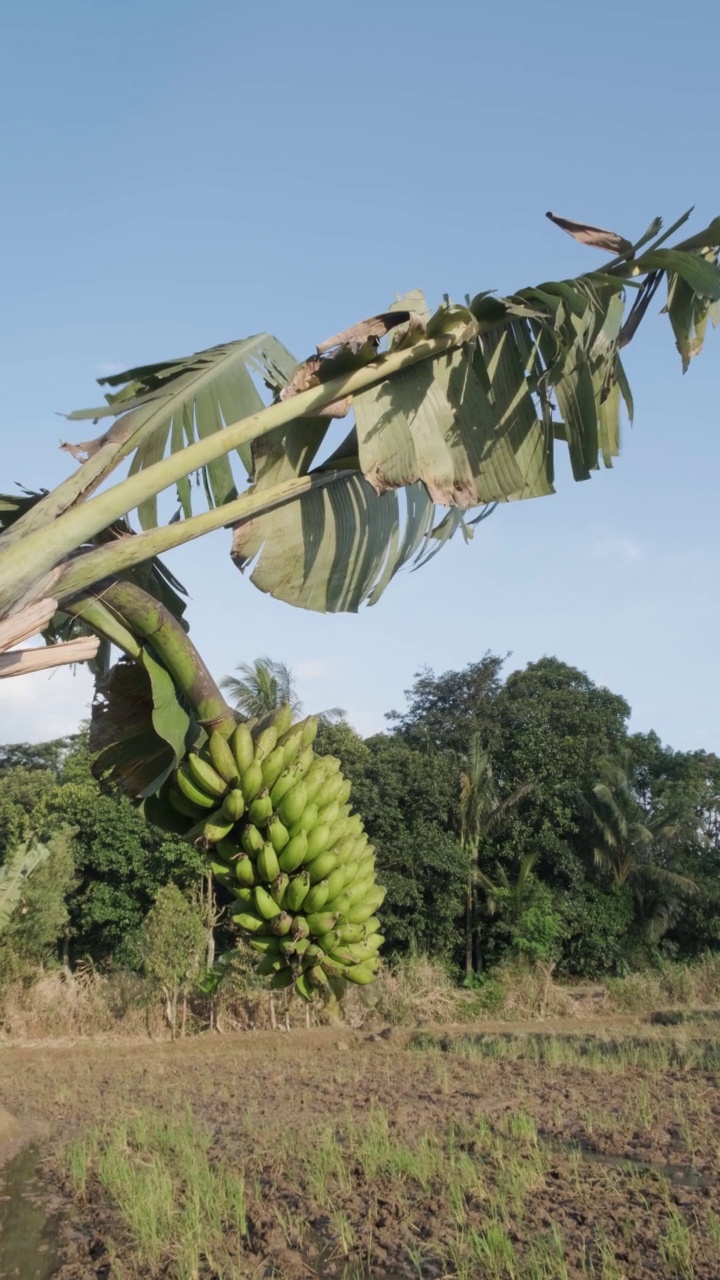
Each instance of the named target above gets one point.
<point>512,897</point>
<point>632,845</point>
<point>461,409</point>
<point>263,686</point>
<point>481,808</point>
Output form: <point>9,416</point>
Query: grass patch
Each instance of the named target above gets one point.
<point>179,1209</point>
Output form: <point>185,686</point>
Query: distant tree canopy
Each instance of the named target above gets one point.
<point>541,885</point>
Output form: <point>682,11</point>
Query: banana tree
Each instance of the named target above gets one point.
<point>452,413</point>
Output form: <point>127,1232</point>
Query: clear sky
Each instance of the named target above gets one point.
<point>180,174</point>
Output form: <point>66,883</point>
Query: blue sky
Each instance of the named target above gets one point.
<point>179,174</point>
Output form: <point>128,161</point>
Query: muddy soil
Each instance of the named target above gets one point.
<point>568,1164</point>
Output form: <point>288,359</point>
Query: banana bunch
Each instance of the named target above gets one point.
<point>283,839</point>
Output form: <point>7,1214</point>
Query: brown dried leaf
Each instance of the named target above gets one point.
<point>305,376</point>
<point>371,330</point>
<point>596,237</point>
<point>338,409</point>
<point>85,449</point>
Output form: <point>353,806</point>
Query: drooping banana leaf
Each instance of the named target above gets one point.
<point>479,424</point>
<point>163,407</point>
<point>474,421</point>
<point>14,872</point>
<point>139,726</point>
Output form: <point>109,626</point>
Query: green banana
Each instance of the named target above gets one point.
<point>340,905</point>
<point>281,924</point>
<point>351,932</point>
<point>344,792</point>
<point>270,964</point>
<point>282,719</point>
<point>281,979</point>
<point>297,891</point>
<point>266,742</point>
<point>228,849</point>
<point>182,805</point>
<point>249,921</point>
<point>294,853</point>
<point>345,848</point>
<point>317,897</point>
<point>360,973</point>
<point>294,733</point>
<point>267,863</point>
<point>321,922</point>
<point>338,832</point>
<point>222,873</point>
<point>233,806</point>
<point>332,968</point>
<point>273,766</point>
<point>370,926</point>
<point>316,777</point>
<point>245,871</point>
<point>251,781</point>
<point>205,776</point>
<point>304,762</point>
<point>210,829</point>
<point>294,946</point>
<point>328,941</point>
<point>363,910</point>
<point>317,976</point>
<point>307,820</point>
<point>329,791</point>
<point>266,946</point>
<point>357,891</point>
<point>261,808</point>
<point>279,888</point>
<point>336,882</point>
<point>278,834</point>
<point>330,814</point>
<point>321,867</point>
<point>374,941</point>
<point>285,783</point>
<point>292,805</point>
<point>222,758</point>
<point>360,953</point>
<point>317,840</point>
<point>304,987</point>
<point>243,894</point>
<point>252,840</point>
<point>300,928</point>
<point>158,810</point>
<point>192,792</point>
<point>265,905</point>
<point>309,731</point>
<point>242,747</point>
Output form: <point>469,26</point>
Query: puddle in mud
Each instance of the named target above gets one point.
<point>28,1249</point>
<point>680,1175</point>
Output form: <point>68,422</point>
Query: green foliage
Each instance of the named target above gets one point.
<point>408,801</point>
<point>596,925</point>
<point>446,711</point>
<point>540,892</point>
<point>173,940</point>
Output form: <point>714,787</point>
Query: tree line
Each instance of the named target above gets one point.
<point>512,815</point>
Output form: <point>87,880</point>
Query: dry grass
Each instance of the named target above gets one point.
<point>414,991</point>
<point>676,985</point>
